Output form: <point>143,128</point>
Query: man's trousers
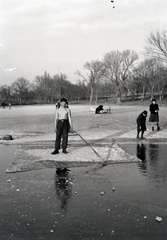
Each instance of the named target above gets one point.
<point>62,132</point>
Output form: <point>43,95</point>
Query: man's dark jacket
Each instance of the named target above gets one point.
<point>141,122</point>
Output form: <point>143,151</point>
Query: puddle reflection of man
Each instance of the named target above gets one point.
<point>141,152</point>
<point>63,189</point>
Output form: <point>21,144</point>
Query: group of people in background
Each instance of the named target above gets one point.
<point>63,122</point>
<point>154,119</point>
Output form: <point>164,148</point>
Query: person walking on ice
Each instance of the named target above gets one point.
<point>63,124</point>
<point>141,124</point>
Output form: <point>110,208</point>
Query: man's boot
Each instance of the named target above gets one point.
<point>158,128</point>
<point>142,133</point>
<point>137,135</point>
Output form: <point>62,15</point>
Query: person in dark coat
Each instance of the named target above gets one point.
<point>99,109</point>
<point>154,116</point>
<point>141,124</point>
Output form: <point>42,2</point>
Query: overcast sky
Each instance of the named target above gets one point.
<point>59,36</point>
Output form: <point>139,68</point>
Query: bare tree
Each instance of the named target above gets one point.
<point>157,45</point>
<point>146,73</point>
<point>20,88</point>
<point>62,87</point>
<point>38,85</point>
<point>5,92</point>
<point>151,75</point>
<point>161,83</point>
<point>51,88</point>
<point>140,78</point>
<point>119,66</point>
<point>80,90</point>
<point>95,71</point>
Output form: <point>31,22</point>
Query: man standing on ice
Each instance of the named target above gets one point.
<point>63,123</point>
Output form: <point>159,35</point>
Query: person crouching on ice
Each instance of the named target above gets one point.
<point>63,123</point>
<point>141,124</point>
<point>99,109</point>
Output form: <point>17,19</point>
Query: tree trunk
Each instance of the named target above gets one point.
<point>143,93</point>
<point>118,95</point>
<point>160,95</point>
<point>91,95</point>
<point>152,92</point>
<point>52,98</point>
<point>96,98</point>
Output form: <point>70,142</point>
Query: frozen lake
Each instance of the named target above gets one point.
<point>118,201</point>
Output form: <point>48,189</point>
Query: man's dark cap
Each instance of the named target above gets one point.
<point>64,100</point>
<point>145,112</point>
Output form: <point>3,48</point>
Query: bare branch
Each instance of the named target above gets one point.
<point>157,45</point>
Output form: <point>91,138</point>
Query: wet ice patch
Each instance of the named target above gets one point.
<point>36,158</point>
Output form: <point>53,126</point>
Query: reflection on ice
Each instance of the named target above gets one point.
<point>63,187</point>
<point>153,156</point>
<point>141,152</point>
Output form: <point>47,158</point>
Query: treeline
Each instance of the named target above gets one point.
<point>44,89</point>
<point>119,74</point>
